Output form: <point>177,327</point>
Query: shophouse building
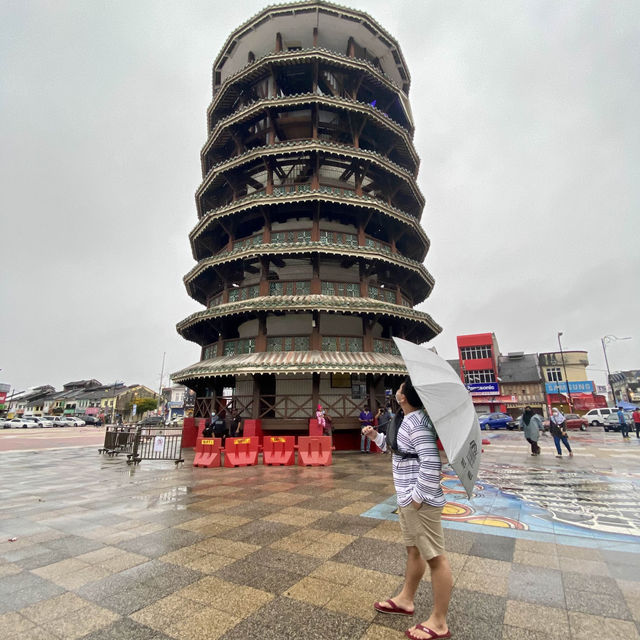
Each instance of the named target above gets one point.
<point>521,380</point>
<point>309,246</point>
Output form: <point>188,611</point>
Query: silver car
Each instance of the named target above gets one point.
<point>612,423</point>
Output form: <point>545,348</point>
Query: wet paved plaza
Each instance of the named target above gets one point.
<point>547,549</point>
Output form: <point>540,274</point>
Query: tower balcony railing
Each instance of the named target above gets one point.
<point>323,143</point>
<point>383,345</point>
<point>303,191</point>
<point>303,288</point>
<point>279,344</point>
<point>303,236</point>
<point>272,57</point>
<point>257,108</point>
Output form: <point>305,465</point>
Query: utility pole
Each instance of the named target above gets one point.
<point>164,353</point>
<point>564,366</point>
<point>605,341</point>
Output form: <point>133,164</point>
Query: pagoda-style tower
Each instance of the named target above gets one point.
<point>308,244</point>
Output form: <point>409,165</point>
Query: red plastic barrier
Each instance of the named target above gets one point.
<point>279,450</point>
<point>252,428</point>
<point>314,428</point>
<point>189,433</point>
<point>241,452</point>
<point>208,452</point>
<point>314,451</point>
<point>486,441</point>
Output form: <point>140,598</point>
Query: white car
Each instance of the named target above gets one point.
<point>597,416</point>
<point>63,421</point>
<point>76,422</point>
<point>23,423</point>
<point>44,422</point>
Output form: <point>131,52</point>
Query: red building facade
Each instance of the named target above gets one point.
<point>478,357</point>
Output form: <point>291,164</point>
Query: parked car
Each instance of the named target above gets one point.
<point>23,423</point>
<point>152,421</point>
<point>612,423</point>
<point>64,421</point>
<point>497,421</point>
<point>43,422</point>
<point>76,422</point>
<point>597,416</point>
<point>571,421</point>
<point>5,423</point>
<point>92,420</point>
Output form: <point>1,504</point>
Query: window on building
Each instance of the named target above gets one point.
<point>478,377</point>
<point>476,353</point>
<point>554,374</point>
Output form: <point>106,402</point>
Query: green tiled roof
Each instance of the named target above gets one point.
<point>292,362</point>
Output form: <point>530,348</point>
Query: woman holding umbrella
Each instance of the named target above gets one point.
<point>416,476</point>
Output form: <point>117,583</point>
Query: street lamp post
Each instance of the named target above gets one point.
<point>113,400</point>
<point>564,366</point>
<point>605,341</point>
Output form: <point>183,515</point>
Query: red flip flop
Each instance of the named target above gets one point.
<point>432,634</point>
<point>392,608</point>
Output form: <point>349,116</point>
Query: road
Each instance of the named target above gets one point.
<point>50,438</point>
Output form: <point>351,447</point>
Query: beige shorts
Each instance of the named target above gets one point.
<point>422,528</point>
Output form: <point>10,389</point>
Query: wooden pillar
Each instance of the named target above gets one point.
<point>278,42</point>
<point>315,343</point>
<point>220,351</point>
<point>269,187</point>
<point>264,273</point>
<point>361,234</point>
<point>315,224</point>
<point>364,280</point>
<point>261,338</point>
<point>351,47</point>
<point>315,391</point>
<point>255,407</point>
<point>316,286</point>
<point>315,120</point>
<point>251,57</point>
<point>315,36</point>
<point>367,340</point>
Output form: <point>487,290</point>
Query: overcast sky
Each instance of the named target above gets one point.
<point>526,123</point>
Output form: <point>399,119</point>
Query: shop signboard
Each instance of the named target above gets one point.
<point>581,386</point>
<point>483,388</point>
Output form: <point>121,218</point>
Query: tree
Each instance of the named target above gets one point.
<point>145,404</point>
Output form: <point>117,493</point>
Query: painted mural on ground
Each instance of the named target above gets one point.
<point>550,502</point>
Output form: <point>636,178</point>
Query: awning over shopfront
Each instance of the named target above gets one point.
<point>494,399</point>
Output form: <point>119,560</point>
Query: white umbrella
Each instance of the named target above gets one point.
<point>449,406</point>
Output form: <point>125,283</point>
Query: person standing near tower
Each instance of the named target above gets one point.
<point>416,477</point>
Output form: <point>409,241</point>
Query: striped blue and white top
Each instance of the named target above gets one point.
<point>416,478</point>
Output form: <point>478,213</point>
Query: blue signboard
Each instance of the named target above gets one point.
<point>582,386</point>
<point>484,388</point>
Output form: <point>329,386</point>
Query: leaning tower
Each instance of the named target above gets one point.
<point>308,246</point>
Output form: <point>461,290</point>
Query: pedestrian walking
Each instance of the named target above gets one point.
<point>382,419</point>
<point>366,420</point>
<point>558,428</point>
<point>636,421</point>
<point>622,419</point>
<point>531,425</point>
<point>416,477</point>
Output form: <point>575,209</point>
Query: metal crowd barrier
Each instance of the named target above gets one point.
<point>118,439</point>
<point>157,443</point>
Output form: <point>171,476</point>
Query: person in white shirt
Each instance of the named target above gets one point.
<point>416,477</point>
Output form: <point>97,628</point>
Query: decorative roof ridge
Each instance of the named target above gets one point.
<point>311,97</point>
<point>297,53</point>
<point>278,146</point>
<point>248,199</point>
<point>283,247</point>
<point>288,301</point>
<point>319,3</point>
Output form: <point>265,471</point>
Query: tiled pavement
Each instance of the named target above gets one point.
<point>108,552</point>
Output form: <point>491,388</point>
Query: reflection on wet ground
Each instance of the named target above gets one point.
<point>105,551</point>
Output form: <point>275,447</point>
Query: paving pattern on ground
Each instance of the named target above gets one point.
<point>106,551</point>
